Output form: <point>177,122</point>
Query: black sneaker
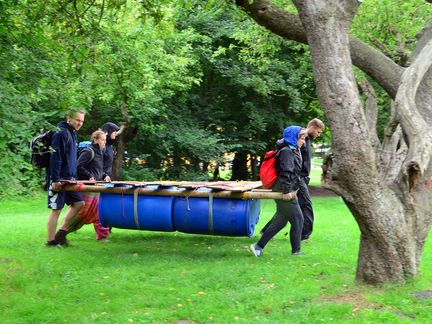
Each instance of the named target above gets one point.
<point>52,243</point>
<point>60,237</point>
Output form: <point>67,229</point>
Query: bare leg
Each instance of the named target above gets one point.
<point>71,215</point>
<point>52,223</point>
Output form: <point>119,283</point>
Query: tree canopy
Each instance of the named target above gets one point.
<point>191,82</point>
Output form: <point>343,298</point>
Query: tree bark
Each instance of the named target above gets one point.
<point>126,136</point>
<point>239,167</point>
<point>371,112</point>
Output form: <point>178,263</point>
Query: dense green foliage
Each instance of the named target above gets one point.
<point>191,82</point>
<point>196,82</point>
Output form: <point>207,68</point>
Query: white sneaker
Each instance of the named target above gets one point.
<point>257,251</point>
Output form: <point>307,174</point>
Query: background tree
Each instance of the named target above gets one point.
<point>253,83</point>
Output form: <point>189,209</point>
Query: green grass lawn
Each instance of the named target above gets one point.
<point>151,277</point>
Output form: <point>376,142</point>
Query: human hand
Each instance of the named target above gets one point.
<point>56,186</point>
<point>107,179</point>
<point>289,196</point>
<point>92,179</point>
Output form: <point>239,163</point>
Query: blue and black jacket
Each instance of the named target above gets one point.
<point>288,162</point>
<point>91,164</point>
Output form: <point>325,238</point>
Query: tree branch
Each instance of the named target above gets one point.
<point>371,112</point>
<point>413,124</point>
<point>393,153</point>
<point>422,39</point>
<point>382,69</point>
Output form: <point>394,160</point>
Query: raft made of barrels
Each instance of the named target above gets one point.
<point>226,208</point>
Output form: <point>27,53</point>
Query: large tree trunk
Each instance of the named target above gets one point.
<point>387,212</point>
<point>127,135</point>
<point>386,186</point>
<point>239,167</point>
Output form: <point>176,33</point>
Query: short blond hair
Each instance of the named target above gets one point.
<point>317,123</point>
<point>97,135</point>
<point>72,113</point>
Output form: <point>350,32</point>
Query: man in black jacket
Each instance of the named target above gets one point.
<point>63,166</point>
<point>314,129</point>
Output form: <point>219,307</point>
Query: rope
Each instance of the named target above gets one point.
<point>210,212</point>
<point>136,208</point>
<point>123,204</point>
<point>187,199</point>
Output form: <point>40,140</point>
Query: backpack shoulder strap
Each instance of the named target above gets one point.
<point>92,153</point>
<point>279,151</point>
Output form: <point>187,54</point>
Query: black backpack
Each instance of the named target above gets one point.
<point>41,149</point>
<point>85,146</point>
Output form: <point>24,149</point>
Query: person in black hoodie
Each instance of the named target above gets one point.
<point>288,168</point>
<point>111,130</point>
<point>63,166</point>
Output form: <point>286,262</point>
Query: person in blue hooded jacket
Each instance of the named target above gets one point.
<point>63,166</point>
<point>288,168</point>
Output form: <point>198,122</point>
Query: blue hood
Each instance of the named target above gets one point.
<point>290,136</point>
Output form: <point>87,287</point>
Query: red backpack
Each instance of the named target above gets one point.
<point>267,172</point>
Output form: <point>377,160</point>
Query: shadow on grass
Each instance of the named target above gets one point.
<point>170,245</point>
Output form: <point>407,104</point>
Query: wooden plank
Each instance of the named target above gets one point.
<point>179,193</point>
<point>235,186</point>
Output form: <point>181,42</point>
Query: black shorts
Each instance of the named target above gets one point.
<point>57,200</point>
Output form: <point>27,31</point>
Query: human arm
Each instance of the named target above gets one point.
<point>58,156</point>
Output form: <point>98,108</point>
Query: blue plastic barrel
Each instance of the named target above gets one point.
<point>153,213</point>
<point>229,217</point>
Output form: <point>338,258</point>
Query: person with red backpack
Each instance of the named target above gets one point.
<point>288,166</point>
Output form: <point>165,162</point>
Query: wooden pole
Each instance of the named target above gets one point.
<point>179,193</point>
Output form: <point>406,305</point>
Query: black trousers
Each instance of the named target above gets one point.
<point>305,203</point>
<point>286,211</point>
<point>306,208</point>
